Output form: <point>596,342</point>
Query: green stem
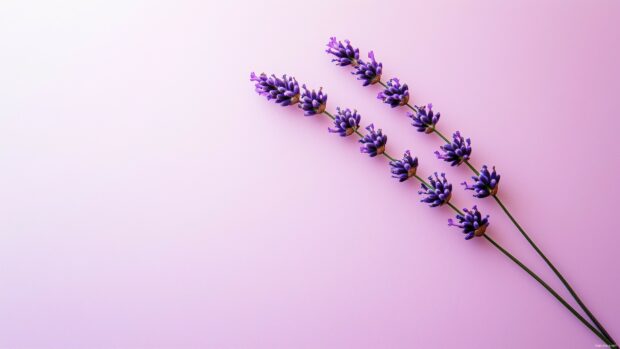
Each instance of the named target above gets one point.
<point>472,168</point>
<point>555,271</point>
<point>548,288</point>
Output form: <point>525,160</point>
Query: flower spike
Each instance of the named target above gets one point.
<point>373,143</point>
<point>285,90</point>
<point>471,222</point>
<point>484,184</point>
<point>345,53</point>
<point>439,192</point>
<point>395,94</point>
<point>346,122</point>
<point>369,72</point>
<point>424,120</point>
<point>312,102</point>
<point>405,168</point>
<point>457,151</point>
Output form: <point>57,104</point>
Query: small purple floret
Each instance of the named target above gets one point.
<point>424,120</point>
<point>394,94</point>
<point>439,193</point>
<point>457,151</point>
<point>369,72</point>
<point>471,222</point>
<point>405,168</point>
<point>285,90</point>
<point>312,102</point>
<point>346,122</point>
<point>373,143</point>
<point>485,184</point>
<point>345,53</point>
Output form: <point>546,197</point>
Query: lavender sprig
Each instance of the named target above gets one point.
<point>603,334</point>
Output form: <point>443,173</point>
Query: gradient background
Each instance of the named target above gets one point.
<point>150,199</point>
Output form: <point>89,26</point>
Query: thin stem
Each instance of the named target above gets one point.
<point>382,84</point>
<point>471,167</point>
<point>388,156</point>
<point>548,288</point>
<point>454,208</point>
<point>441,135</point>
<point>555,271</point>
<point>422,181</point>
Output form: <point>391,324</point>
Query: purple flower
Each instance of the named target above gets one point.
<point>484,184</point>
<point>457,151</point>
<point>346,122</point>
<point>423,120</point>
<point>438,193</point>
<point>471,222</point>
<point>312,102</point>
<point>405,168</point>
<point>373,142</point>
<point>285,91</point>
<point>370,72</point>
<point>345,54</point>
<point>394,94</point>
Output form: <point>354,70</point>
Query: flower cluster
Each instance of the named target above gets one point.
<point>485,184</point>
<point>394,94</point>
<point>471,222</point>
<point>284,90</point>
<point>438,193</point>
<point>373,143</point>
<point>369,72</point>
<point>424,120</point>
<point>312,102</point>
<point>345,53</point>
<point>346,122</point>
<point>405,168</point>
<point>457,151</point>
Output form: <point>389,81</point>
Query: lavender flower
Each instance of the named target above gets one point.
<point>438,193</point>
<point>373,142</point>
<point>346,122</point>
<point>345,54</point>
<point>370,72</point>
<point>484,184</point>
<point>424,120</point>
<point>285,91</point>
<point>471,222</point>
<point>312,102</point>
<point>394,94</point>
<point>405,168</point>
<point>457,151</point>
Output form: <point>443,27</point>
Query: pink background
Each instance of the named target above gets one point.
<point>150,199</point>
